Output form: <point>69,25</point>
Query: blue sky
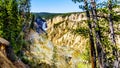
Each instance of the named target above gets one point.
<point>54,6</point>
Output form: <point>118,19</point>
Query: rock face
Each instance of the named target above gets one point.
<point>65,53</point>
<point>3,44</point>
<point>62,47</point>
<point>61,33</point>
<point>60,30</point>
<point>72,17</point>
<point>4,62</point>
<point>69,46</point>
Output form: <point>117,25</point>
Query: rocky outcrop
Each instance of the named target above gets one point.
<point>3,44</point>
<point>5,61</point>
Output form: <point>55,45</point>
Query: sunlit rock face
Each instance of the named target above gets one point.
<point>72,17</point>
<point>61,34</point>
<point>57,19</point>
<point>68,45</point>
<point>61,27</point>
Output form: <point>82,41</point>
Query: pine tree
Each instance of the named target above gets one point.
<point>100,51</point>
<point>12,21</point>
<point>92,46</point>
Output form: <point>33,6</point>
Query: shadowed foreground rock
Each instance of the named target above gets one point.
<point>7,59</point>
<point>4,62</point>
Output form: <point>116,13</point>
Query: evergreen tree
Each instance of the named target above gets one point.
<point>92,46</point>
<point>12,19</point>
<point>100,51</point>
